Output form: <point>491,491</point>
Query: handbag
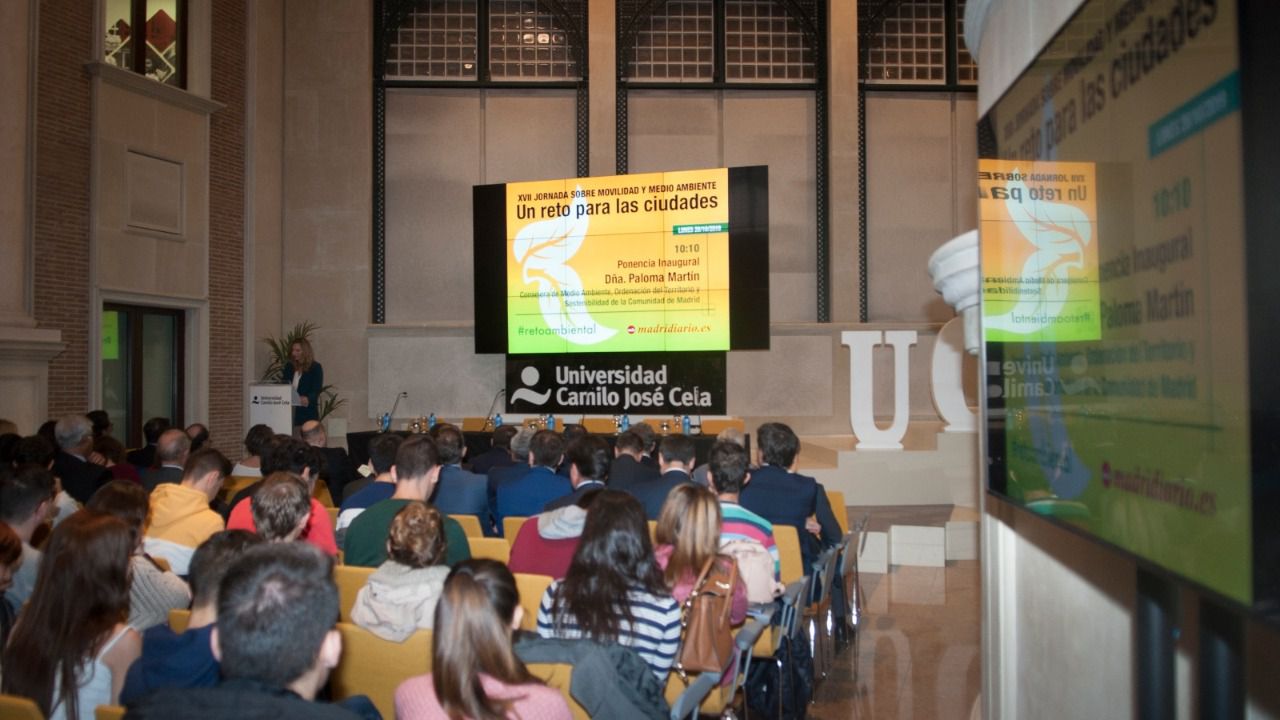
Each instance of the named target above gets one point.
<point>706,638</point>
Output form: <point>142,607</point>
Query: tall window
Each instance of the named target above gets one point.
<point>159,51</point>
<point>520,42</point>
<point>759,42</point>
<point>915,42</point>
<point>142,366</point>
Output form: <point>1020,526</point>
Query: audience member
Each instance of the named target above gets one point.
<point>416,470</point>
<point>588,462</point>
<point>256,443</point>
<point>181,519</point>
<point>337,471</point>
<point>281,507</point>
<point>614,590</point>
<point>145,456</point>
<point>37,450</point>
<point>172,450</point>
<point>649,437</point>
<point>71,648</point>
<point>184,660</point>
<point>527,494</point>
<point>26,503</point>
<point>675,459</point>
<point>101,422</point>
<point>11,547</point>
<point>199,435</point>
<point>628,468</point>
<point>728,475</point>
<point>475,673</point>
<point>569,435</point>
<point>546,542</point>
<point>298,458</point>
<point>112,450</point>
<point>499,454</point>
<point>401,594</point>
<point>382,455</point>
<point>701,473</point>
<point>274,638</point>
<point>500,476</point>
<point>80,478</point>
<point>153,591</point>
<point>783,497</point>
<point>687,538</point>
<point>8,449</point>
<point>460,492</point>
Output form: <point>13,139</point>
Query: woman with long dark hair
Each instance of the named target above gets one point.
<point>614,590</point>
<point>475,673</point>
<point>71,648</point>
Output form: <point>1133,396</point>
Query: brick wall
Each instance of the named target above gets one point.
<point>61,219</point>
<point>227,227</point>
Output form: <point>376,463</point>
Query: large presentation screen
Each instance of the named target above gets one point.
<point>673,261</point>
<point>1116,328</point>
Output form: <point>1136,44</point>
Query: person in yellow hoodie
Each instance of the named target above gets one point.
<point>181,518</point>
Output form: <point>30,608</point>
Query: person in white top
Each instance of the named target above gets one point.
<point>71,647</point>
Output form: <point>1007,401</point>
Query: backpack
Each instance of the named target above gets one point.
<point>755,567</point>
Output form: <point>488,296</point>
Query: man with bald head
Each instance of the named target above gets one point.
<point>172,450</point>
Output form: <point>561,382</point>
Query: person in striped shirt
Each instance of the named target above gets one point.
<point>730,463</point>
<point>614,561</point>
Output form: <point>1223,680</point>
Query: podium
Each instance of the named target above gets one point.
<point>271,404</point>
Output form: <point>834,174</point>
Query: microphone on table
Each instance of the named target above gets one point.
<point>386,417</point>
<point>488,418</point>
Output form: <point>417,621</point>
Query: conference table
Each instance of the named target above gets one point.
<point>479,441</point>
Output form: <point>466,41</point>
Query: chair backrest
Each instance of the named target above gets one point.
<point>333,516</point>
<point>532,588</point>
<point>13,707</point>
<point>511,528</point>
<point>492,548</point>
<point>321,493</point>
<point>559,676</point>
<point>376,667</point>
<point>350,578</point>
<point>836,498</point>
<point>470,527</point>
<point>791,562</point>
<point>109,712</point>
<point>234,484</point>
<point>179,620</point>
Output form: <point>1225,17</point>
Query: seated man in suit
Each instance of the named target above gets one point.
<point>784,497</point>
<point>337,470</point>
<point>459,492</point>
<point>171,455</point>
<point>529,493</point>
<point>675,460</point>
<point>499,455</point>
<point>274,638</point>
<point>499,476</point>
<point>588,461</point>
<point>628,466</point>
<point>570,433</point>
<point>80,478</point>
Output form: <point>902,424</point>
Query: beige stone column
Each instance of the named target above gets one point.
<point>25,350</point>
<point>842,158</point>
<point>602,86</point>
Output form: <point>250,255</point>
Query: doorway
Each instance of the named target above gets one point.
<point>143,356</point>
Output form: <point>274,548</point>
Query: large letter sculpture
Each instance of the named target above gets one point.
<point>861,411</point>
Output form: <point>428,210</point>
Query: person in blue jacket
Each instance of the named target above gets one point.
<point>307,377</point>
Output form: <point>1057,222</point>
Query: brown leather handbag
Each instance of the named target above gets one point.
<point>706,637</point>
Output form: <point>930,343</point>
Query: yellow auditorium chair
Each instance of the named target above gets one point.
<point>532,588</point>
<point>321,493</point>
<point>790,560</point>
<point>470,526</point>
<point>350,578</point>
<point>179,620</point>
<point>492,548</point>
<point>558,676</point>
<point>233,485</point>
<point>376,667</point>
<point>13,707</point>
<point>511,528</point>
<point>333,517</point>
<point>109,712</point>
<point>836,498</point>
<point>714,426</point>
